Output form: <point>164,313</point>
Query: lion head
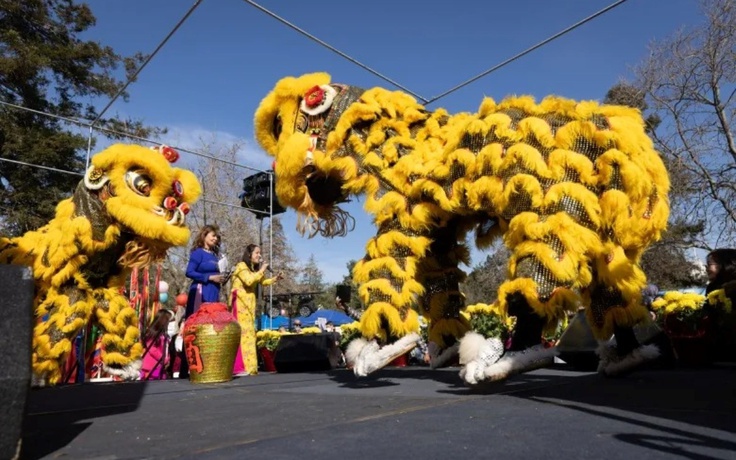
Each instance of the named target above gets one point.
<point>296,123</point>
<point>146,196</point>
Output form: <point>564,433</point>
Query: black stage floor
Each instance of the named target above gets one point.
<point>397,413</point>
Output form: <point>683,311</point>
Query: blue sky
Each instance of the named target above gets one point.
<point>212,74</point>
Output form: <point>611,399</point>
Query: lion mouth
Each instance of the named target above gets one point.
<point>143,252</point>
<point>319,213</point>
<point>324,190</point>
<point>173,217</point>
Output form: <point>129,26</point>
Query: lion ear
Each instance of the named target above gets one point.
<point>190,184</point>
<point>95,178</point>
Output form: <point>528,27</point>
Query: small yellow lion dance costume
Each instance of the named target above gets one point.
<point>576,190</point>
<point>129,209</point>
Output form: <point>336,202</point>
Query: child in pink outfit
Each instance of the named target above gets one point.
<point>155,344</point>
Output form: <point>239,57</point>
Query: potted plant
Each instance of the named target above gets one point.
<point>266,342</point>
<point>489,321</point>
<point>348,332</point>
<point>687,323</point>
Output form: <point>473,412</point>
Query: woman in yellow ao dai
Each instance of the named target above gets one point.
<point>246,277</point>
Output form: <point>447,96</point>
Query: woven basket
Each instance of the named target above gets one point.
<point>211,341</point>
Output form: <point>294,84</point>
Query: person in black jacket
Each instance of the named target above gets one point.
<point>721,271</point>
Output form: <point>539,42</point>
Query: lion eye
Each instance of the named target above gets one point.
<point>138,182</point>
<point>277,127</point>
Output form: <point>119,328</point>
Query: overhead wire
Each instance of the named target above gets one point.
<point>148,59</point>
<point>333,49</point>
<point>88,124</point>
<point>454,88</point>
<point>527,51</point>
<point>8,160</point>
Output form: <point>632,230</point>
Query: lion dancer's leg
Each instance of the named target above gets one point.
<point>442,300</point>
<point>548,266</point>
<point>615,307</point>
<point>390,291</point>
<point>61,316</point>
<point>631,220</point>
<point>121,347</point>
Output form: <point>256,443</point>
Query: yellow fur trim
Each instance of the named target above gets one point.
<point>447,327</point>
<point>372,320</point>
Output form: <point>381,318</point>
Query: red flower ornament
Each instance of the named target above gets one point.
<point>314,97</point>
<point>318,99</point>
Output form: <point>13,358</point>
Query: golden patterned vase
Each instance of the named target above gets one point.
<point>211,340</point>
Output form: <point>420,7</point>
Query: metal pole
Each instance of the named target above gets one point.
<point>270,239</point>
<point>260,286</point>
<point>89,149</point>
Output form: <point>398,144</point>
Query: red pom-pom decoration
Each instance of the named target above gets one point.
<point>170,203</point>
<point>170,154</point>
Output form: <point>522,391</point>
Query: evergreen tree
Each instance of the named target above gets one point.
<point>312,277</point>
<point>312,280</point>
<point>45,66</point>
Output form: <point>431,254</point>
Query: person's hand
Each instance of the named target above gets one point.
<point>264,266</point>
<point>279,275</point>
<point>217,278</point>
<point>339,304</point>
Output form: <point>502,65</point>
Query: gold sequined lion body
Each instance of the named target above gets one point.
<point>575,189</point>
<point>129,209</point>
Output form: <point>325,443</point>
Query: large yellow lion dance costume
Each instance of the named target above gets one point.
<point>575,189</point>
<point>129,209</point>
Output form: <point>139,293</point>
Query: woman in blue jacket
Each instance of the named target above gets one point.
<point>203,269</point>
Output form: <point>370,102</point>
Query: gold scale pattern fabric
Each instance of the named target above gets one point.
<point>575,189</point>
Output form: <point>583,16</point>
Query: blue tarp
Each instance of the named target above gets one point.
<point>338,318</point>
<point>273,323</point>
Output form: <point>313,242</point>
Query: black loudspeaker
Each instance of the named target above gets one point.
<point>343,291</point>
<point>256,195</point>
<point>303,353</point>
<point>16,305</point>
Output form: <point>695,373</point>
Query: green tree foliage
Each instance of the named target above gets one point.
<point>312,280</point>
<point>45,66</point>
<point>481,285</point>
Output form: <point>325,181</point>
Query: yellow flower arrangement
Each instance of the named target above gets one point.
<point>718,298</point>
<point>268,339</point>
<point>677,302</point>
<point>348,332</point>
<point>681,313</point>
